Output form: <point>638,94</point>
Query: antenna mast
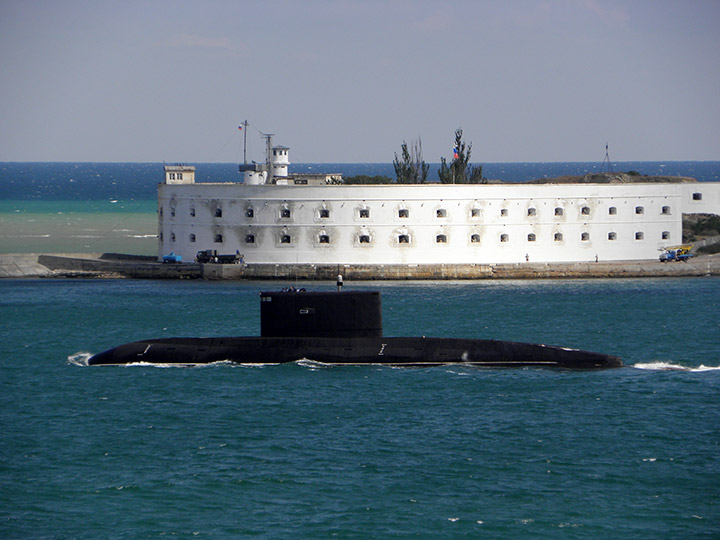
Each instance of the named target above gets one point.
<point>245,125</point>
<point>607,160</point>
<point>268,153</point>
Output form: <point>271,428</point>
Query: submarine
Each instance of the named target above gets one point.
<point>343,328</point>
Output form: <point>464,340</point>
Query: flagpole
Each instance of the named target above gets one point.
<point>245,124</point>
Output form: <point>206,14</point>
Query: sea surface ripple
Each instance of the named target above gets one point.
<point>308,451</point>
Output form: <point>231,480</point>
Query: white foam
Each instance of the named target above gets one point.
<point>248,365</point>
<point>153,364</point>
<point>667,366</point>
<point>706,368</point>
<point>312,364</point>
<point>191,365</point>
<point>79,358</point>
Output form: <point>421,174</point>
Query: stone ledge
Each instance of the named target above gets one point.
<point>118,266</point>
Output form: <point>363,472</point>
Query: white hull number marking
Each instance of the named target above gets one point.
<point>382,349</point>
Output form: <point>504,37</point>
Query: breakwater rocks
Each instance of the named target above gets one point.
<point>146,267</point>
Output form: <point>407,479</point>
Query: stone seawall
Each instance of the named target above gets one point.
<point>136,267</point>
<point>700,266</point>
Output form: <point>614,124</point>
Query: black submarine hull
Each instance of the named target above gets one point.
<point>392,351</point>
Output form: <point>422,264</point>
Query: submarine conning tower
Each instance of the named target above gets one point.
<point>340,314</point>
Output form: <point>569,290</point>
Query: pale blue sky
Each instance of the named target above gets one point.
<point>349,80</point>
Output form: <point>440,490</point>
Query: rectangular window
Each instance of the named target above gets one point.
<point>697,196</point>
<point>403,213</point>
<point>364,213</point>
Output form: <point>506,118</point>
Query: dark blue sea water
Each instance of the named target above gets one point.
<point>306,452</point>
<point>138,181</point>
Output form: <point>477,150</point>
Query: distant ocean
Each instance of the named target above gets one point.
<point>111,207</point>
<point>308,452</point>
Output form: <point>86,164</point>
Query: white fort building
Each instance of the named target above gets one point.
<point>273,217</point>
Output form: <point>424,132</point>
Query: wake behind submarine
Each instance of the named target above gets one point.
<point>343,328</point>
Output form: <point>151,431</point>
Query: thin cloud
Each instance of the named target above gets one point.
<point>199,42</point>
<point>536,14</point>
<point>441,19</point>
<point>615,15</point>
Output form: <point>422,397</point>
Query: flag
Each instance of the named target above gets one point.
<point>455,153</point>
<point>240,128</point>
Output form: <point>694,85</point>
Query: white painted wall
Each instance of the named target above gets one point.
<point>344,225</point>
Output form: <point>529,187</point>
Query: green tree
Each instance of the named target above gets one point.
<point>411,168</point>
<point>460,171</point>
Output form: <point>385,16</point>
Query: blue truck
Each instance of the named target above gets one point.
<point>676,253</point>
<point>172,258</point>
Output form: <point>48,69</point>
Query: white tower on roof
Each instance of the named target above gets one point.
<point>275,166</point>
<point>280,161</point>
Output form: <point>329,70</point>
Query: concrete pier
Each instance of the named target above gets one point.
<point>88,265</point>
<point>142,267</point>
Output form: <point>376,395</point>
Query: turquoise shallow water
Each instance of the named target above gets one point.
<point>76,226</point>
<point>301,451</point>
